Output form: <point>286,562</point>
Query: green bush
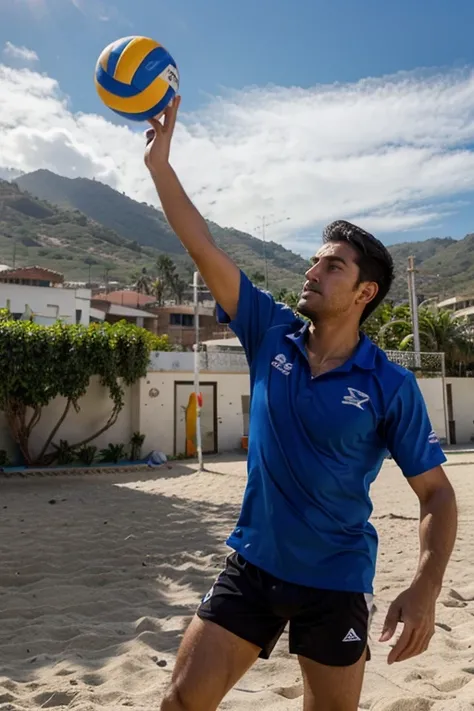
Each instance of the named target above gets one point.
<point>40,363</point>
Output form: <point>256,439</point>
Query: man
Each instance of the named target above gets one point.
<point>326,406</point>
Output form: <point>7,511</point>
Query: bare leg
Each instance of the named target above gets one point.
<point>332,688</point>
<point>210,662</point>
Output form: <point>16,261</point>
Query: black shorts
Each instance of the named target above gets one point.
<point>327,626</point>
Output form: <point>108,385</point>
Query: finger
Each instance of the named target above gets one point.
<point>402,643</point>
<point>391,621</point>
<point>149,135</point>
<point>171,114</point>
<point>418,644</point>
<point>156,125</point>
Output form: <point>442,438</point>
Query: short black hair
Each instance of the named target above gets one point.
<point>373,258</point>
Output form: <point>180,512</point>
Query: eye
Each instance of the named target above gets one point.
<point>334,267</point>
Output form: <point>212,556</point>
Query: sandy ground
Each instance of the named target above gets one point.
<point>100,574</point>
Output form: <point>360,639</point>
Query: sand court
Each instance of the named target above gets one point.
<point>101,573</point>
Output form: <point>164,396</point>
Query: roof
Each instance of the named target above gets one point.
<point>119,310</point>
<point>452,300</point>
<point>126,297</point>
<point>469,311</point>
<point>32,272</point>
<point>225,343</point>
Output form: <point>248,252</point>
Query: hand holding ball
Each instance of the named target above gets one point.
<point>136,78</point>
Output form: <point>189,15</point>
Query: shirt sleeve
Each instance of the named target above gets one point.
<point>257,312</point>
<point>410,437</point>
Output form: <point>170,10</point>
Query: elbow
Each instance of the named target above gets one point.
<point>442,498</point>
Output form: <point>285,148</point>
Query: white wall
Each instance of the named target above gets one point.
<point>432,391</point>
<point>95,409</point>
<point>157,413</point>
<point>463,408</point>
<point>149,407</point>
<point>50,303</point>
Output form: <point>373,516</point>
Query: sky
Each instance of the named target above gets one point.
<point>300,112</point>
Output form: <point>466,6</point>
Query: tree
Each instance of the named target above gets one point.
<point>142,282</point>
<point>40,363</point>
<point>440,331</point>
<point>166,269</point>
<point>179,288</point>
<point>158,291</point>
<point>257,278</point>
<point>290,298</point>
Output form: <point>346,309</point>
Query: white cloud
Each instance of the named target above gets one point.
<point>23,53</point>
<point>394,153</point>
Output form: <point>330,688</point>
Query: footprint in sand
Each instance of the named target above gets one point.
<point>454,599</point>
<point>49,700</point>
<point>419,674</point>
<point>290,692</point>
<point>415,703</point>
<point>6,698</point>
<point>93,679</point>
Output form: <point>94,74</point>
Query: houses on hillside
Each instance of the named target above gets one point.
<point>42,295</point>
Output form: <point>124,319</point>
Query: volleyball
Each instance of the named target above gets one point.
<point>136,78</point>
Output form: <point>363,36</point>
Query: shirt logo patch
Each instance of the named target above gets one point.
<point>356,398</point>
<point>280,363</point>
<point>433,437</point>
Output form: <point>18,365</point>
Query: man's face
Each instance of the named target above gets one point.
<point>331,288</point>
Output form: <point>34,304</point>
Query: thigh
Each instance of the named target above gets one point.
<point>210,661</point>
<point>328,688</point>
<point>239,602</point>
<point>330,637</point>
<point>332,628</point>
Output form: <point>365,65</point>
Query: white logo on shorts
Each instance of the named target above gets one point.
<point>208,595</point>
<point>351,637</point>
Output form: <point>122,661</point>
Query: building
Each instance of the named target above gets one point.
<point>461,306</point>
<point>173,320</point>
<point>39,293</point>
<point>177,321</point>
<point>103,310</point>
<point>126,297</point>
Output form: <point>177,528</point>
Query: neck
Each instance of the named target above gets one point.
<point>332,341</point>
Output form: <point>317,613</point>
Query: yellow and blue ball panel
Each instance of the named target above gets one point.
<point>136,77</point>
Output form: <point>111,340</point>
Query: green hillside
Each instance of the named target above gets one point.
<point>145,225</point>
<point>74,225</point>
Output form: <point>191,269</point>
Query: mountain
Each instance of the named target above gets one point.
<point>88,220</point>
<point>146,226</point>
<point>33,231</point>
<point>445,266</point>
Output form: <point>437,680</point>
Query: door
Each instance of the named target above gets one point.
<point>182,391</point>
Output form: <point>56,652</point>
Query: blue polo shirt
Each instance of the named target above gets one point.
<point>316,444</point>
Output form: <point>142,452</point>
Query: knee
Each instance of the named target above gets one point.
<point>174,700</point>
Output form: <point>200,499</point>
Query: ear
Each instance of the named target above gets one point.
<point>368,292</point>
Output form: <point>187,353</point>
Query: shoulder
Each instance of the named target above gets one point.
<point>392,378</point>
<point>388,369</point>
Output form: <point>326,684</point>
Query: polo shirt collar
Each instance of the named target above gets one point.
<point>363,357</point>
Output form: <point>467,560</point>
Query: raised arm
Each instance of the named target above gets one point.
<point>219,272</point>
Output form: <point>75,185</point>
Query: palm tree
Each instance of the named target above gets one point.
<point>166,268</point>
<point>178,287</point>
<point>440,331</point>
<point>142,282</point>
<point>158,291</point>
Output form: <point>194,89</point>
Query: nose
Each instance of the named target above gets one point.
<point>312,274</point>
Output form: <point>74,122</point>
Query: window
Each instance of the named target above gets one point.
<point>186,320</point>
